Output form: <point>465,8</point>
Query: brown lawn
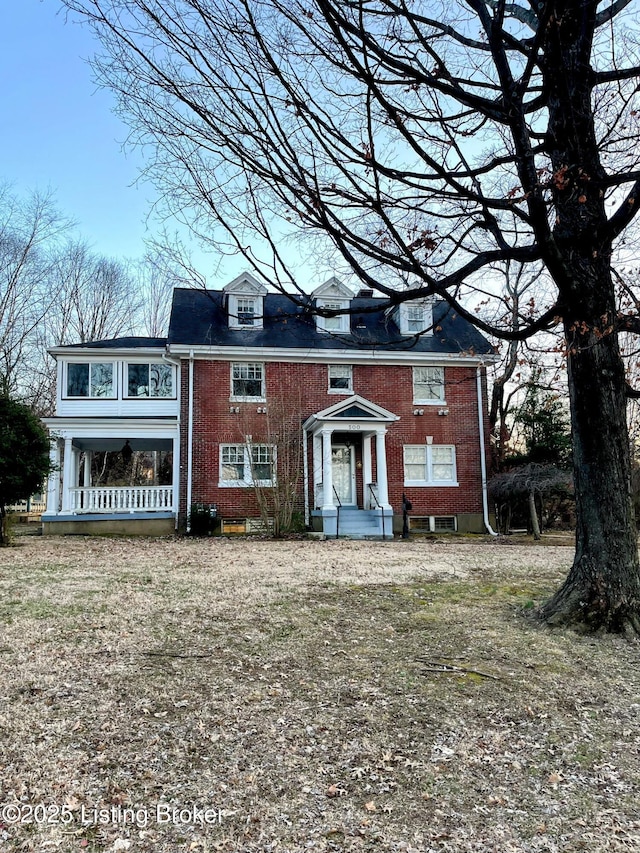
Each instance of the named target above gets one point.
<point>247,695</point>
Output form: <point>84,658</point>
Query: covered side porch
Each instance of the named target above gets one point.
<point>115,476</point>
<point>349,485</point>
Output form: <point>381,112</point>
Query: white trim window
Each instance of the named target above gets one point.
<point>153,379</point>
<point>338,324</point>
<point>246,311</point>
<point>428,385</point>
<point>430,465</point>
<point>416,318</point>
<point>90,379</point>
<point>247,382</point>
<point>244,465</point>
<point>340,378</point>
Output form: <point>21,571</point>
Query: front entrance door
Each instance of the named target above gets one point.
<point>344,474</point>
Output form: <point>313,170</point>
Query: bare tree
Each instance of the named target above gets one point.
<point>30,229</point>
<point>431,144</point>
<point>95,298</point>
<point>98,296</point>
<point>529,482</point>
<point>276,456</point>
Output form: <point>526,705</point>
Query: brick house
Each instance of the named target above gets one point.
<point>383,403</point>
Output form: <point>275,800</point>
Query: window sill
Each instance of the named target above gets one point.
<point>235,399</point>
<point>343,391</point>
<point>429,402</point>
<point>88,397</point>
<point>242,484</point>
<point>413,484</point>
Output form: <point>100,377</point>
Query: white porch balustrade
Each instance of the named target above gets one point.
<point>121,499</point>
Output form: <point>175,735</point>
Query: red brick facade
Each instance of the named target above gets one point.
<point>305,387</point>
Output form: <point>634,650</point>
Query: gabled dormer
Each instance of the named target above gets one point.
<point>244,297</point>
<point>415,316</point>
<point>335,295</point>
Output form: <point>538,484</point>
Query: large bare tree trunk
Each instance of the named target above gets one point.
<point>603,586</point>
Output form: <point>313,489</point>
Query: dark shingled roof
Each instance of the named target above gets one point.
<point>123,343</point>
<point>198,318</point>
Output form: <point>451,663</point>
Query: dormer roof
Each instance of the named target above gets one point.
<point>245,284</point>
<point>333,289</point>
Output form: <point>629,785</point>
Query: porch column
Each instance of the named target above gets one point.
<point>317,468</point>
<point>366,469</point>
<point>86,480</point>
<point>327,471</point>
<point>68,470</point>
<point>175,477</point>
<point>53,483</point>
<point>381,465</point>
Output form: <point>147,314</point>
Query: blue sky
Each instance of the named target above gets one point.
<point>59,131</point>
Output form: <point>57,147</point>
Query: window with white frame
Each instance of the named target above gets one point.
<point>90,379</point>
<point>430,465</point>
<point>150,380</point>
<point>246,465</point>
<point>247,381</point>
<point>246,310</point>
<point>245,302</point>
<point>415,317</point>
<point>337,324</point>
<point>428,385</point>
<point>340,379</point>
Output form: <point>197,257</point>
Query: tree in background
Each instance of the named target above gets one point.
<point>31,229</point>
<point>430,145</point>
<point>55,290</point>
<point>536,469</point>
<point>24,456</point>
<point>542,425</point>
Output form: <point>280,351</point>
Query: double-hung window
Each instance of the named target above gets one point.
<point>430,465</point>
<point>428,385</point>
<point>246,465</point>
<point>415,319</point>
<point>339,323</point>
<point>246,307</point>
<point>90,379</point>
<point>247,381</point>
<point>150,380</point>
<point>340,379</point>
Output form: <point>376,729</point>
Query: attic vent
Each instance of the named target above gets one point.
<point>365,293</point>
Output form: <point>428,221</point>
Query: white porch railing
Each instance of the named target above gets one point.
<point>122,499</point>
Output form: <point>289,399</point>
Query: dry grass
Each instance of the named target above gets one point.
<point>323,695</point>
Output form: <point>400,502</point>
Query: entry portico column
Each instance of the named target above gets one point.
<point>327,470</point>
<point>381,468</point>
<point>366,470</point>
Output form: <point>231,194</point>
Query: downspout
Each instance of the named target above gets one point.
<point>190,442</point>
<point>305,476</point>
<point>483,460</point>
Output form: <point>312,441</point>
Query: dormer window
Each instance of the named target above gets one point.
<point>415,317</point>
<point>333,295</point>
<point>246,309</point>
<point>245,302</point>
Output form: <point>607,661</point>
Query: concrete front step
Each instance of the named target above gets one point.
<point>361,524</point>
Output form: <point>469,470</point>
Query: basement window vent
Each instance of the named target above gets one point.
<point>444,523</point>
<point>433,523</point>
<point>257,525</point>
